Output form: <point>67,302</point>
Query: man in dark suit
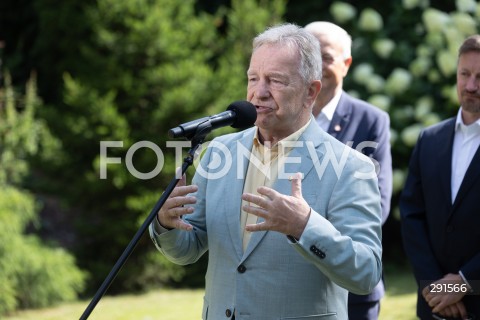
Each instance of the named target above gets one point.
<point>357,123</point>
<point>440,203</point>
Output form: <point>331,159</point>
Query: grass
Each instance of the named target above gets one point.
<point>401,298</point>
<point>167,304</point>
<point>160,304</point>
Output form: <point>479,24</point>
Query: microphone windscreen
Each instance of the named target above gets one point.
<point>246,114</point>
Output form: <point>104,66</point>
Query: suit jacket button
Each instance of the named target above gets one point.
<point>228,313</point>
<point>241,268</point>
<point>450,229</point>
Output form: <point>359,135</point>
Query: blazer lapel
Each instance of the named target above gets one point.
<point>445,167</point>
<point>236,184</point>
<point>341,118</point>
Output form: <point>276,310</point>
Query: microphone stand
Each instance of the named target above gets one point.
<point>197,139</point>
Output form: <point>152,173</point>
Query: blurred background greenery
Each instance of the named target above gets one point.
<point>75,73</point>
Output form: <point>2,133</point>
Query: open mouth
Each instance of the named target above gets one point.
<point>262,109</point>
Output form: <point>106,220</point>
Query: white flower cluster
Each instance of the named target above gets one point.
<point>433,61</point>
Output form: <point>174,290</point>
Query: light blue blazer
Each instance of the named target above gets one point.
<point>277,277</point>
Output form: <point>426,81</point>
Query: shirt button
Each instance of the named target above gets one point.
<point>228,313</point>
<point>241,268</point>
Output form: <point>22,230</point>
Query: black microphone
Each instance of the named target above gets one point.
<point>239,115</point>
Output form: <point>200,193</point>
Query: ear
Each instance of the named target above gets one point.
<point>313,92</point>
<point>348,63</point>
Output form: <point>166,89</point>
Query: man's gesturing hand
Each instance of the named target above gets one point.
<point>170,215</point>
<point>286,214</point>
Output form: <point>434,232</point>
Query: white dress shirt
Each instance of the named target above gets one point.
<point>326,114</point>
<point>465,144</point>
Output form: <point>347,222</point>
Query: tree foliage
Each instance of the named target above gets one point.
<point>139,68</point>
<point>32,272</point>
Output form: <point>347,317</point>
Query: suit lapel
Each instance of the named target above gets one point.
<point>444,151</point>
<point>234,201</point>
<point>341,118</point>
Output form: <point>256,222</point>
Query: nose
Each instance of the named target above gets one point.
<point>262,90</point>
<point>472,83</point>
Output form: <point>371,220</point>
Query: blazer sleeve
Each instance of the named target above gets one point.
<point>186,247</point>
<point>345,241</point>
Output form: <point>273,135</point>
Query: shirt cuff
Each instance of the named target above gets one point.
<point>465,280</point>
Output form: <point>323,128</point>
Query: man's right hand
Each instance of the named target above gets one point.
<point>170,215</point>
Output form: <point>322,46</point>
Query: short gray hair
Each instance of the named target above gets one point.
<point>299,39</point>
<point>325,27</point>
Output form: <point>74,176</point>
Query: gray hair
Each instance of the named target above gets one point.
<point>296,38</point>
<point>325,27</point>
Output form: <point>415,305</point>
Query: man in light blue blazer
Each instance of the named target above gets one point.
<point>290,216</point>
<point>357,123</point>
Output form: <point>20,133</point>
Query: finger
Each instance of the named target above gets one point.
<point>452,311</point>
<point>439,305</point>
<point>429,295</point>
<point>182,225</point>
<point>259,212</point>
<point>425,292</point>
<point>462,310</point>
<point>256,227</point>
<point>447,311</point>
<point>268,192</point>
<point>183,190</point>
<point>180,211</point>
<point>433,302</point>
<point>255,199</point>
<point>180,201</point>
<point>297,185</point>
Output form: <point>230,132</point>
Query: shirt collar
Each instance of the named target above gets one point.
<point>291,138</point>
<point>331,106</point>
<point>470,129</point>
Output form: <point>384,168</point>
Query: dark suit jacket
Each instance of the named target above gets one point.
<point>441,237</point>
<point>360,122</point>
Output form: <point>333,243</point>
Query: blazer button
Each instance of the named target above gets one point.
<point>318,252</point>
<point>241,268</point>
<point>228,313</point>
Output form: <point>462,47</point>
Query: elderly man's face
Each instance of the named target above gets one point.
<point>276,88</point>
<point>335,66</point>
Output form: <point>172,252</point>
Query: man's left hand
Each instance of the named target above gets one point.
<point>286,214</point>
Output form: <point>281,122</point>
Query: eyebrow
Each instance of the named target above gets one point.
<point>270,74</point>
